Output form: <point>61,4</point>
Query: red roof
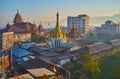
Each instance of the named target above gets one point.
<point>16,29</point>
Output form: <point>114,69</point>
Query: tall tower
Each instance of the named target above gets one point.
<point>18,18</point>
<point>58,33</point>
<point>57,37</point>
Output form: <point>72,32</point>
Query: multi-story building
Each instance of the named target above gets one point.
<point>108,28</point>
<point>81,22</point>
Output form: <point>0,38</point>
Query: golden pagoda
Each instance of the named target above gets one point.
<point>57,37</point>
<point>58,33</point>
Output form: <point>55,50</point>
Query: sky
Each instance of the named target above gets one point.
<point>44,11</point>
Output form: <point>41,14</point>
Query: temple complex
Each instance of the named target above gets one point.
<point>57,37</point>
<point>73,33</point>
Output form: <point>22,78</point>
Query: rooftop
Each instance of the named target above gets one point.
<point>19,52</point>
<point>49,53</point>
<point>115,42</point>
<point>38,72</point>
<point>23,76</point>
<point>95,48</point>
<point>27,45</point>
<point>68,45</point>
<point>37,50</point>
<point>38,63</point>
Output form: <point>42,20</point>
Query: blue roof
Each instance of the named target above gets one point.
<point>3,54</point>
<point>38,49</point>
<point>27,45</point>
<point>19,52</point>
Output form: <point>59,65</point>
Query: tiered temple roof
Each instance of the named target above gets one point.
<point>73,33</point>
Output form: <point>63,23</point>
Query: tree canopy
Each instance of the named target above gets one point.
<point>89,65</point>
<point>116,73</point>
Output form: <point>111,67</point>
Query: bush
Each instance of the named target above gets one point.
<point>116,73</point>
<point>69,66</point>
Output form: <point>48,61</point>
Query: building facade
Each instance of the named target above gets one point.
<point>108,28</point>
<point>81,22</point>
<point>20,35</point>
<point>7,40</point>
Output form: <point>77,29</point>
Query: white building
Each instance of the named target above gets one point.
<point>81,22</point>
<point>108,28</point>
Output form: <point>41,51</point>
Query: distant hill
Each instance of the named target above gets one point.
<point>98,20</point>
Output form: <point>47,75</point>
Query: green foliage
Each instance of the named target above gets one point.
<point>69,66</point>
<point>109,65</point>
<point>89,65</point>
<point>37,38</point>
<point>116,73</point>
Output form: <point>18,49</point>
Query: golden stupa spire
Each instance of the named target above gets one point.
<point>58,32</point>
<point>57,23</point>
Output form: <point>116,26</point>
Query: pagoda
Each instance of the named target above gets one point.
<point>73,33</point>
<point>57,37</point>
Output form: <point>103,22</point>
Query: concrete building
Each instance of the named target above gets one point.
<point>108,28</point>
<point>81,22</point>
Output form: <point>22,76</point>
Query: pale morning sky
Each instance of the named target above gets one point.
<point>45,10</point>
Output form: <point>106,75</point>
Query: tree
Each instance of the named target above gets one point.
<point>116,73</point>
<point>37,38</point>
<point>89,65</point>
<point>69,66</point>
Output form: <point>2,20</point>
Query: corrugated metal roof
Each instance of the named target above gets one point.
<point>38,72</point>
<point>19,52</point>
